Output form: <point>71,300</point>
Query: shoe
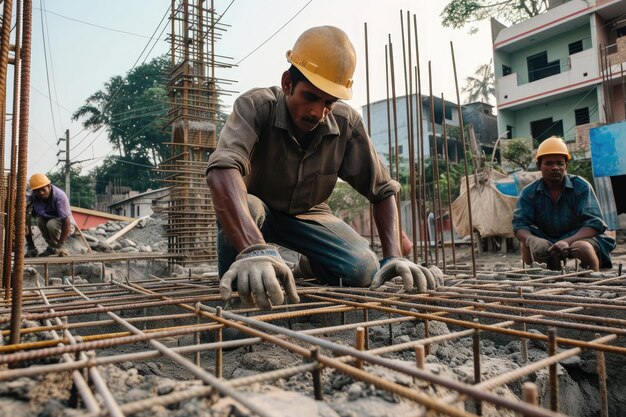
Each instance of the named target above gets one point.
<point>31,253</point>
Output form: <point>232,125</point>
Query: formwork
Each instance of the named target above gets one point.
<point>79,329</point>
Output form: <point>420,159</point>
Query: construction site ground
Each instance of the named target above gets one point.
<point>131,332</point>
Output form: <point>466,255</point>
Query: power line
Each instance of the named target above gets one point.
<point>122,85</point>
<point>54,82</point>
<point>275,33</point>
<point>93,24</point>
<point>45,55</point>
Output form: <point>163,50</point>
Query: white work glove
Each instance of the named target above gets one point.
<point>259,271</point>
<point>416,278</point>
<point>538,248</point>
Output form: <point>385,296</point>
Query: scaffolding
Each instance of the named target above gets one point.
<point>193,115</point>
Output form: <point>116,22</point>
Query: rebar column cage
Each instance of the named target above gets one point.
<point>191,222</point>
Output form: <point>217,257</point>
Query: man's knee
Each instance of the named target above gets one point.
<point>360,270</point>
<point>584,251</point>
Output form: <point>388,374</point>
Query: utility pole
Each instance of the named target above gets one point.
<point>67,161</point>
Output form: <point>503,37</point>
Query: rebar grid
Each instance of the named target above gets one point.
<point>160,319</point>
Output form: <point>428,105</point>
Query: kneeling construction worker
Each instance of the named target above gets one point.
<point>51,207</point>
<point>278,158</point>
<point>558,216</point>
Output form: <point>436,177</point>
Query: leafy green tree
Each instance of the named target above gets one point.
<point>459,13</point>
<point>132,109</point>
<point>82,193</point>
<point>519,152</point>
<point>346,203</point>
<point>481,86</point>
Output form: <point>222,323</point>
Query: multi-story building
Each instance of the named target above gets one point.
<point>383,130</point>
<point>562,73</point>
<point>559,73</point>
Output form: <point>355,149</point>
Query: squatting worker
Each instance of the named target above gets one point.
<point>558,215</point>
<point>50,205</point>
<point>277,161</point>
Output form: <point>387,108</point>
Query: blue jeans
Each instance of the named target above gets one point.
<point>333,248</point>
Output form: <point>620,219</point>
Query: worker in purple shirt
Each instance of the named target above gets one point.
<point>50,205</point>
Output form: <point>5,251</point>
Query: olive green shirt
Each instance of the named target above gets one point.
<point>257,140</point>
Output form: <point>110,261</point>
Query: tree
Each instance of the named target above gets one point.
<point>481,86</point>
<point>132,109</point>
<point>136,173</point>
<point>82,193</point>
<point>459,13</point>
<point>519,152</point>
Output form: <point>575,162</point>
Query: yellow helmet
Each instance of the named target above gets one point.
<point>553,145</point>
<point>38,180</point>
<point>326,57</point>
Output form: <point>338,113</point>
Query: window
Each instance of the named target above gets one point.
<point>575,47</point>
<point>506,70</point>
<point>509,132</point>
<point>582,116</point>
<point>544,128</point>
<point>539,67</point>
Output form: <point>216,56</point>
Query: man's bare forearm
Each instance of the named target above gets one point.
<point>386,218</point>
<point>231,207</point>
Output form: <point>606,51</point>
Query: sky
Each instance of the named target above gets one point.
<point>88,42</point>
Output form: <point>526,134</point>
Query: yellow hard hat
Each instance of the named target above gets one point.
<point>326,57</point>
<point>553,145</point>
<point>38,180</point>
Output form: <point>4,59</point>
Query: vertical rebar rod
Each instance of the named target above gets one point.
<point>395,135</point>
<point>552,371</point>
<point>476,355</point>
<point>420,357</point>
<point>530,394</point>
<point>359,345</point>
<point>523,341</point>
<point>317,374</point>
<point>387,81</point>
<point>4,63</point>
<point>18,269</point>
<point>434,160</point>
<point>369,123</point>
<point>406,61</point>
<point>447,161</point>
<point>219,352</point>
<point>443,246</point>
<point>9,229</point>
<point>426,336</point>
<point>367,329</point>
<point>602,388</point>
<point>420,145</point>
<point>467,184</point>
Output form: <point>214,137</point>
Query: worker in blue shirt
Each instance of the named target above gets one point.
<point>558,215</point>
